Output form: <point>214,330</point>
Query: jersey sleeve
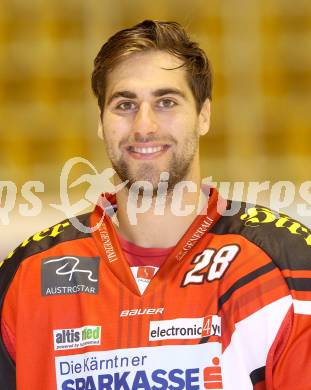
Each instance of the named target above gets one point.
<point>7,365</point>
<point>289,360</point>
<point>9,288</point>
<point>9,339</point>
<point>288,243</point>
<point>289,363</point>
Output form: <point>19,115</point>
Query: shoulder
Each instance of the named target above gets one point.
<point>42,241</point>
<point>285,240</point>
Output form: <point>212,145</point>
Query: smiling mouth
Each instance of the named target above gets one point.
<point>147,151</point>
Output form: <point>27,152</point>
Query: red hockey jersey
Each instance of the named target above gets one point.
<point>230,308</point>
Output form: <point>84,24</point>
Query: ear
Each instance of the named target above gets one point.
<point>100,129</point>
<point>204,117</point>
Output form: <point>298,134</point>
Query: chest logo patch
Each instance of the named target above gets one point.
<point>183,367</point>
<point>76,337</point>
<point>185,328</point>
<point>69,275</point>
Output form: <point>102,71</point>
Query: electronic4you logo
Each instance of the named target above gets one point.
<point>76,337</point>
<point>185,328</point>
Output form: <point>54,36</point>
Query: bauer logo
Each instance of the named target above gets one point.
<point>76,337</point>
<point>185,328</point>
<point>69,275</point>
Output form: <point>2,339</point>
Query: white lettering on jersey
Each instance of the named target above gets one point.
<point>218,261</point>
<point>141,312</point>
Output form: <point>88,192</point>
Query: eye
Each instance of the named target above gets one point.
<point>166,103</point>
<point>126,106</point>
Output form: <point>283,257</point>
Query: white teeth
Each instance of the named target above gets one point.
<point>148,150</point>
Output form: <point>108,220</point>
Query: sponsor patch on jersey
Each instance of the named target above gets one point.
<point>69,274</point>
<point>182,367</point>
<point>255,216</point>
<point>185,328</point>
<point>76,337</point>
<point>146,272</point>
<point>143,276</point>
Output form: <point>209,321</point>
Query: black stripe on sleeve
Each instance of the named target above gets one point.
<point>243,281</point>
<point>299,284</point>
<point>258,375</point>
<point>204,340</point>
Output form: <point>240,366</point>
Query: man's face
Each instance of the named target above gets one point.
<point>150,123</point>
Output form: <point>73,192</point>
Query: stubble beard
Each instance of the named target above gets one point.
<point>178,168</point>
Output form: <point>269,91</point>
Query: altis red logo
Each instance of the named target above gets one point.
<point>212,375</point>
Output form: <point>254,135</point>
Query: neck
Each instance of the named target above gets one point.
<point>159,221</point>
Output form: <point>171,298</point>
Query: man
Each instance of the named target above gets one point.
<point>187,297</point>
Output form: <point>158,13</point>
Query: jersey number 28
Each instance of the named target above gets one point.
<point>218,261</point>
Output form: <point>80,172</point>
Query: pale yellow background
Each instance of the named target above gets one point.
<point>261,56</point>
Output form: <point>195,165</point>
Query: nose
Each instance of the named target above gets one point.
<point>145,121</point>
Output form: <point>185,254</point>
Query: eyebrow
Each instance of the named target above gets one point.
<point>157,93</point>
<point>168,91</point>
<point>124,94</point>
